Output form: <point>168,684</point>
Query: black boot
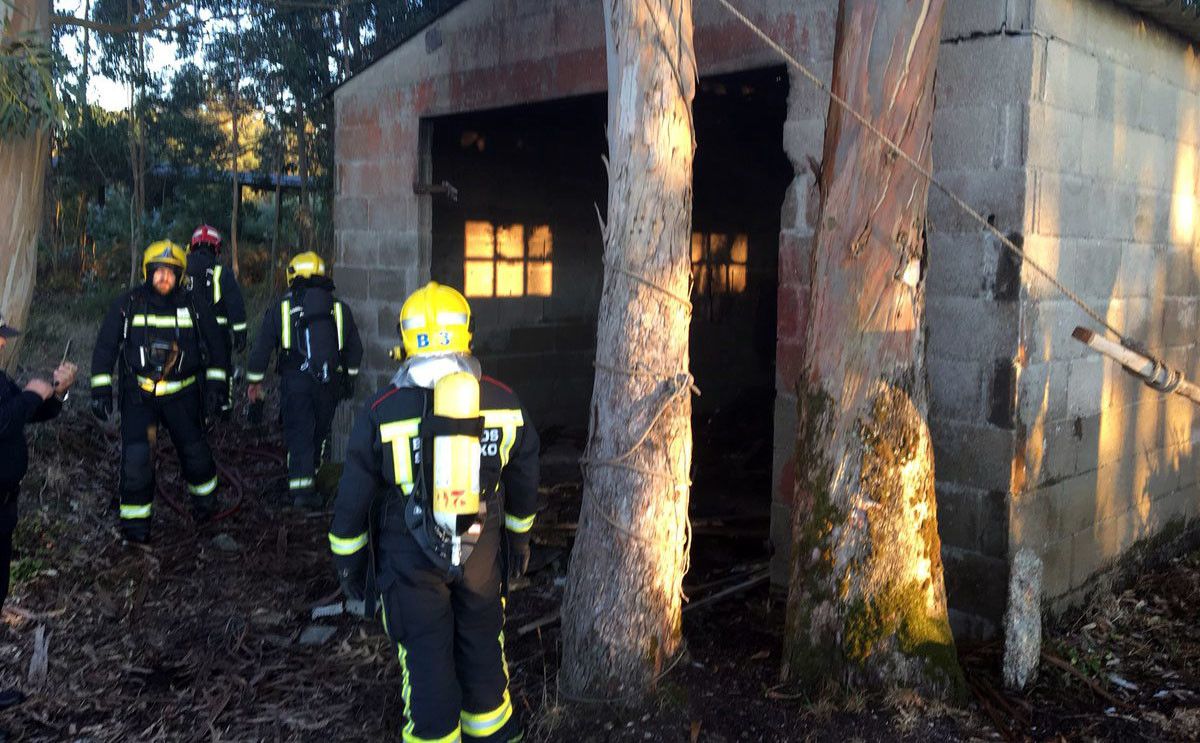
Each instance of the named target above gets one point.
<point>203,508</point>
<point>137,532</point>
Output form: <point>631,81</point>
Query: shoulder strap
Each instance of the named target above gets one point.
<point>285,322</point>
<point>216,287</point>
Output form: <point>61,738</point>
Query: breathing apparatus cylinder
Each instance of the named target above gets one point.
<point>456,459</point>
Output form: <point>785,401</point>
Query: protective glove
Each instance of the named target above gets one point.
<point>215,398</point>
<point>239,340</point>
<point>346,386</point>
<point>352,575</point>
<point>102,405</point>
<point>516,553</point>
<point>254,412</point>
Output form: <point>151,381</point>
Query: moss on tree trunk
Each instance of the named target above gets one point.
<point>867,604</point>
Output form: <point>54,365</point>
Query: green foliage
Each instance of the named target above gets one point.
<point>28,99</point>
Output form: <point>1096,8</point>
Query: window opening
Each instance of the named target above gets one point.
<point>507,260</point>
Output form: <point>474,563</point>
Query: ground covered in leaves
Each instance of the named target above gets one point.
<point>208,634</point>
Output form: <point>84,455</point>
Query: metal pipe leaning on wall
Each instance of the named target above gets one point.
<point>1153,372</point>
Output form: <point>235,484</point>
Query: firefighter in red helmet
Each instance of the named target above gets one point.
<point>217,293</point>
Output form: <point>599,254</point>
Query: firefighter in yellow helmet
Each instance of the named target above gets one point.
<point>449,460</point>
<point>319,355</point>
<point>171,368</point>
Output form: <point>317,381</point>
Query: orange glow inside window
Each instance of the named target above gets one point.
<point>507,260</point>
<point>719,263</point>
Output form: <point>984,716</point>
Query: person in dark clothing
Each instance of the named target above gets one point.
<point>319,353</point>
<point>437,500</point>
<point>173,369</point>
<point>38,401</point>
<point>217,292</point>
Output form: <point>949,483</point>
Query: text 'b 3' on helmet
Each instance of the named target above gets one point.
<point>164,253</point>
<point>435,319</point>
<point>205,235</point>
<point>305,265</point>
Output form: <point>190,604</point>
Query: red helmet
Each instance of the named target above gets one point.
<point>205,235</point>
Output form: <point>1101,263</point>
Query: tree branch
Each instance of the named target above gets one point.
<point>150,23</point>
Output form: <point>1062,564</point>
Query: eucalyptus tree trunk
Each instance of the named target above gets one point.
<point>23,161</point>
<point>235,110</point>
<point>867,603</point>
<point>621,610</point>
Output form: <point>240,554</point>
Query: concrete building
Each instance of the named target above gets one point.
<point>1071,123</point>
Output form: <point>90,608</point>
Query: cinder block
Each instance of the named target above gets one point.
<point>1179,316</point>
<point>984,70</point>
<point>1046,331</point>
<point>1058,453</point>
<point>1070,77</point>
<point>1075,503</point>
<point>1161,103</point>
<point>1085,386</point>
<point>971,329</point>
<point>350,212</point>
<point>783,470</point>
<point>975,455</point>
<point>956,390</point>
<point>1031,520</point>
<point>997,193</point>
<point>1088,553</point>
<point>1042,392</point>
<point>970,17</point>
<point>353,283</point>
<point>975,138</point>
<point>795,258</point>
<point>993,524</point>
<point>805,101</point>
<point>1056,138</point>
<point>958,516</point>
<point>960,265</point>
<point>802,139</point>
<point>975,583</point>
<point>1097,267</point>
<point>1056,568</point>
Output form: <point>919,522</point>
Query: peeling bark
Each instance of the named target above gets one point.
<point>867,604</point>
<point>23,162</point>
<point>621,610</point>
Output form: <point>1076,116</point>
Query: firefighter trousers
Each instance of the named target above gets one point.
<point>308,408</point>
<point>449,636</point>
<point>183,416</point>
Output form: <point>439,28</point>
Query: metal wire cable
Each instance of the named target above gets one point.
<point>925,173</point>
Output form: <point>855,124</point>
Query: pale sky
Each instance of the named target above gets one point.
<point>102,91</point>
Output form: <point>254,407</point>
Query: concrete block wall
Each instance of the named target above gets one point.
<point>803,139</point>
<point>1113,135</point>
<point>972,295</point>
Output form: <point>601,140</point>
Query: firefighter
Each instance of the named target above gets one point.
<point>173,369</point>
<point>216,291</point>
<point>319,356</point>
<point>436,504</point>
<point>40,400</point>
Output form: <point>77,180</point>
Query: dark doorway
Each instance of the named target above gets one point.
<point>523,242</point>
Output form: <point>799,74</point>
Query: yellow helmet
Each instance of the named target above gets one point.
<point>164,253</point>
<point>435,319</point>
<point>305,265</point>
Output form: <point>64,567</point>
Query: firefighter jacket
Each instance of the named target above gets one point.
<point>161,345</point>
<point>283,329</point>
<point>383,456</point>
<point>214,285</point>
<point>18,407</point>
